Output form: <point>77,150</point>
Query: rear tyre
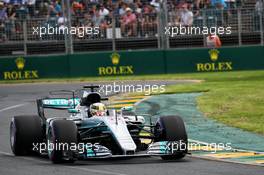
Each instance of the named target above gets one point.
<point>172,128</point>
<point>61,133</point>
<point>25,132</point>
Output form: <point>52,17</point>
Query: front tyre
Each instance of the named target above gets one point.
<point>172,128</point>
<point>25,131</point>
<point>61,135</point>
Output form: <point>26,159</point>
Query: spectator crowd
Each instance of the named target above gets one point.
<point>132,17</point>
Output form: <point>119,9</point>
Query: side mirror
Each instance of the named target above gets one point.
<point>73,111</point>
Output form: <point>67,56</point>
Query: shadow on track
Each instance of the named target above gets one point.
<point>107,161</point>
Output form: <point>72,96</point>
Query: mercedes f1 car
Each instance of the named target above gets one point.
<point>86,134</point>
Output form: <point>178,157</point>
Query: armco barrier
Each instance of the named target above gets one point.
<point>132,63</point>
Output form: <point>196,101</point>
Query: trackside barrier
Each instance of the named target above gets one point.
<point>132,63</point>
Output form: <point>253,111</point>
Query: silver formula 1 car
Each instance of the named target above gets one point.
<point>87,134</point>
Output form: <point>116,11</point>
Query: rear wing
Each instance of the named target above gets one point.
<point>92,88</point>
<point>60,103</point>
<point>57,102</point>
<point>69,99</point>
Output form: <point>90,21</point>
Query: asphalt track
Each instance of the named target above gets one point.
<point>20,99</point>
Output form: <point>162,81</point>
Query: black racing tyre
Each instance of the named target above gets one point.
<point>62,132</point>
<point>172,128</point>
<point>25,132</point>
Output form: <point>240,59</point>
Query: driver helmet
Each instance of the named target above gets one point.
<point>98,109</point>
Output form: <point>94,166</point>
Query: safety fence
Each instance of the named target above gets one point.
<point>160,30</point>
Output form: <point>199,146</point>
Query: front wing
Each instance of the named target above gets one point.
<point>155,149</point>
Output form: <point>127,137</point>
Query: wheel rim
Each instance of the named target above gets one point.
<point>50,141</point>
<point>12,134</point>
<point>158,132</point>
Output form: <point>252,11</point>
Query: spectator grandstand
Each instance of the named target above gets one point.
<point>123,24</point>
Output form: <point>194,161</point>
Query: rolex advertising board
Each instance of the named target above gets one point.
<point>132,63</point>
<point>18,72</point>
<point>25,68</point>
<point>214,60</point>
<point>116,63</point>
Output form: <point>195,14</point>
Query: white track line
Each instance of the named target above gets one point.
<point>94,171</point>
<point>225,160</point>
<point>12,107</point>
<point>232,150</point>
<point>7,154</point>
<point>143,99</point>
<point>69,167</point>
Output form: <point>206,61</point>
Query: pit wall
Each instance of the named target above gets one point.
<point>132,63</point>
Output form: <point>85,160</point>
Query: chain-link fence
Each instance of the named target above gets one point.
<point>158,27</point>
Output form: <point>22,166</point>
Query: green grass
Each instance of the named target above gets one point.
<point>233,98</point>
<point>236,99</point>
